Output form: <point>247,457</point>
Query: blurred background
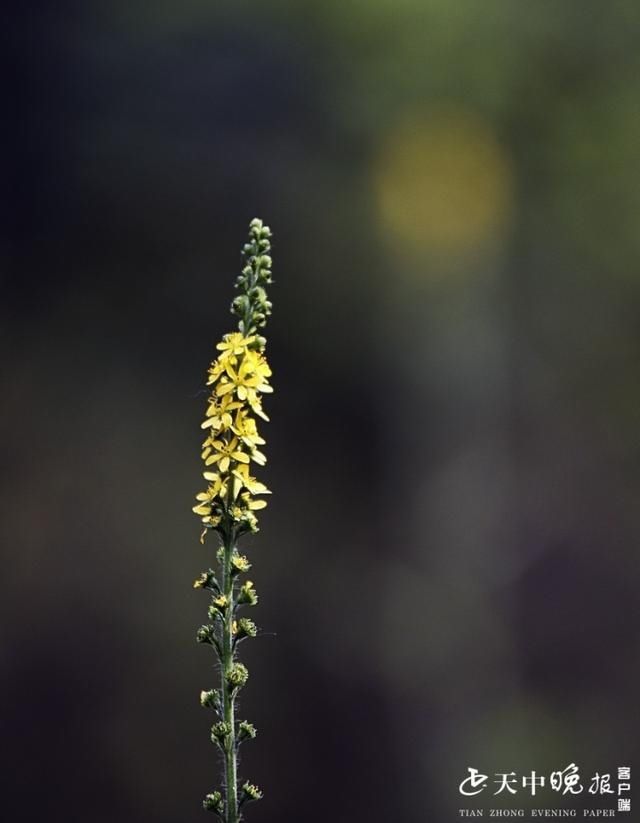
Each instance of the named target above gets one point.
<point>450,556</point>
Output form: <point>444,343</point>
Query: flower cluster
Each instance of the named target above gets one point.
<point>238,377</point>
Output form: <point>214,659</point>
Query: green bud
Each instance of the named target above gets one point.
<point>247,596</point>
<point>218,607</point>
<point>240,304</point>
<point>210,699</point>
<point>214,803</point>
<point>248,523</point>
<point>249,793</point>
<point>206,634</point>
<point>207,580</point>
<point>258,295</point>
<point>246,628</point>
<point>246,731</point>
<point>237,675</point>
<point>220,732</point>
<point>250,306</point>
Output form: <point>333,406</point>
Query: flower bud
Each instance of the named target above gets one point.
<point>237,675</point>
<point>207,580</point>
<point>214,803</point>
<point>239,563</point>
<point>246,628</point>
<point>249,793</point>
<point>220,732</point>
<point>206,634</point>
<point>247,594</point>
<point>246,731</point>
<point>258,295</point>
<point>218,607</point>
<point>240,304</point>
<point>210,699</point>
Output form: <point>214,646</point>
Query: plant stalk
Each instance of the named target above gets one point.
<point>228,699</point>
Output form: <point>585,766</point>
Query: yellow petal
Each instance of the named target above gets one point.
<point>259,488</point>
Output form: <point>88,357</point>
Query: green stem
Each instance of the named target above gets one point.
<point>248,318</point>
<point>231,768</point>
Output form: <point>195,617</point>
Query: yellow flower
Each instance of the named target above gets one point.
<point>250,483</point>
<point>225,452</point>
<point>253,505</point>
<point>256,404</point>
<point>219,412</point>
<point>246,380</point>
<point>201,508</point>
<point>240,374</point>
<point>246,429</point>
<point>217,487</point>
<point>215,370</point>
<point>233,344</point>
<point>206,447</point>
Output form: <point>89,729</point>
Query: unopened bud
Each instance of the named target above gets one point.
<point>246,731</point>
<point>214,803</point>
<point>237,675</point>
<point>250,792</point>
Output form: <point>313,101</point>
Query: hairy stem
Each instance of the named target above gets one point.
<point>228,699</point>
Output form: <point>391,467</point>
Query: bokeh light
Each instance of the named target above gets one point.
<point>443,183</point>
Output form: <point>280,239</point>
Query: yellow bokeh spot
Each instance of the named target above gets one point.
<point>443,183</point>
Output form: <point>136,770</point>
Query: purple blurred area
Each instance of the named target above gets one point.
<point>449,560</point>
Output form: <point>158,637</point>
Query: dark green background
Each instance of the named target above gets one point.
<point>450,556</point>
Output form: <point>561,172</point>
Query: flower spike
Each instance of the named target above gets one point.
<point>238,378</point>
